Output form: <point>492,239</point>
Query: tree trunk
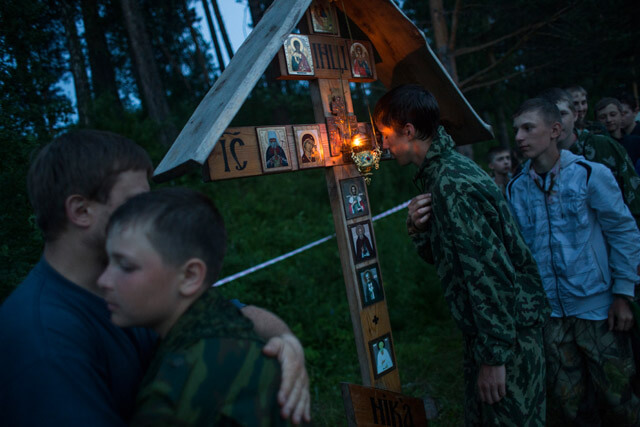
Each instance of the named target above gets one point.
<point>200,59</point>
<point>223,30</point>
<point>152,91</point>
<point>76,61</point>
<point>214,37</point>
<point>280,112</point>
<point>441,36</point>
<point>503,132</point>
<point>444,47</point>
<point>103,75</point>
<point>174,65</point>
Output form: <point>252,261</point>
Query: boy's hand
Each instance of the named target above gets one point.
<point>620,314</point>
<point>492,383</point>
<point>419,213</point>
<point>293,396</point>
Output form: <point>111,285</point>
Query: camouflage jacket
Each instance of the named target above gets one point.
<point>490,279</point>
<point>209,370</point>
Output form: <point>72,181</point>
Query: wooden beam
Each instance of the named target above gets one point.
<point>237,155</point>
<point>222,102</point>
<point>370,321</point>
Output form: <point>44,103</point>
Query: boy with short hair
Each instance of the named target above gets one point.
<point>499,162</point>
<point>165,248</point>
<point>579,95</point>
<point>630,109</point>
<point>597,148</point>
<point>609,113</point>
<point>587,247</point>
<point>488,274</point>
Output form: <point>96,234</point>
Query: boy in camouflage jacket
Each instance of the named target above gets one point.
<point>165,248</point>
<point>488,274</point>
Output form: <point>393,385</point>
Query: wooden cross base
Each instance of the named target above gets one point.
<point>368,406</point>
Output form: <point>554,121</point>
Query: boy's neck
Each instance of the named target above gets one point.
<point>179,309</point>
<point>630,128</point>
<point>546,160</point>
<point>421,148</point>
<point>617,134</point>
<point>76,262</point>
<point>501,179</point>
<point>568,142</point>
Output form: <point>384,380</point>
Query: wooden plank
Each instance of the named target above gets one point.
<point>222,102</point>
<point>370,323</point>
<point>370,407</point>
<point>237,154</point>
<point>407,58</point>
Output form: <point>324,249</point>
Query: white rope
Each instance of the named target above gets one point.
<point>301,249</point>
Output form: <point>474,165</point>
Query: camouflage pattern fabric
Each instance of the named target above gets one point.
<point>524,403</point>
<point>604,150</point>
<point>584,360</point>
<point>209,370</point>
<point>490,279</point>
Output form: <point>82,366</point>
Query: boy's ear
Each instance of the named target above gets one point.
<point>194,272</point>
<point>78,210</point>
<point>409,130</point>
<point>556,130</point>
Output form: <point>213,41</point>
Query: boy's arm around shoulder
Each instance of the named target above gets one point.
<point>282,344</point>
<point>217,381</point>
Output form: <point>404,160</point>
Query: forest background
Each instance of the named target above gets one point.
<point>140,67</point>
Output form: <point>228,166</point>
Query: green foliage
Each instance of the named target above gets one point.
<point>20,240</point>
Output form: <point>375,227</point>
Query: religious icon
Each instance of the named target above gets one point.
<point>309,146</point>
<point>354,199</point>
<point>324,18</point>
<point>382,355</point>
<point>274,150</point>
<point>362,242</point>
<point>298,55</point>
<point>339,130</point>
<point>369,285</point>
<point>361,61</point>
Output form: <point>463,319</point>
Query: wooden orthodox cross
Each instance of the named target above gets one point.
<point>329,61</point>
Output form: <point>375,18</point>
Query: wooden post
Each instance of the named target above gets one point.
<point>370,322</point>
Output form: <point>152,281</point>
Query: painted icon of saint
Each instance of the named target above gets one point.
<point>299,62</point>
<point>360,61</point>
<point>310,152</point>
<point>275,156</point>
<point>383,361</point>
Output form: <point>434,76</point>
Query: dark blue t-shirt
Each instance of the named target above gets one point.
<point>62,361</point>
